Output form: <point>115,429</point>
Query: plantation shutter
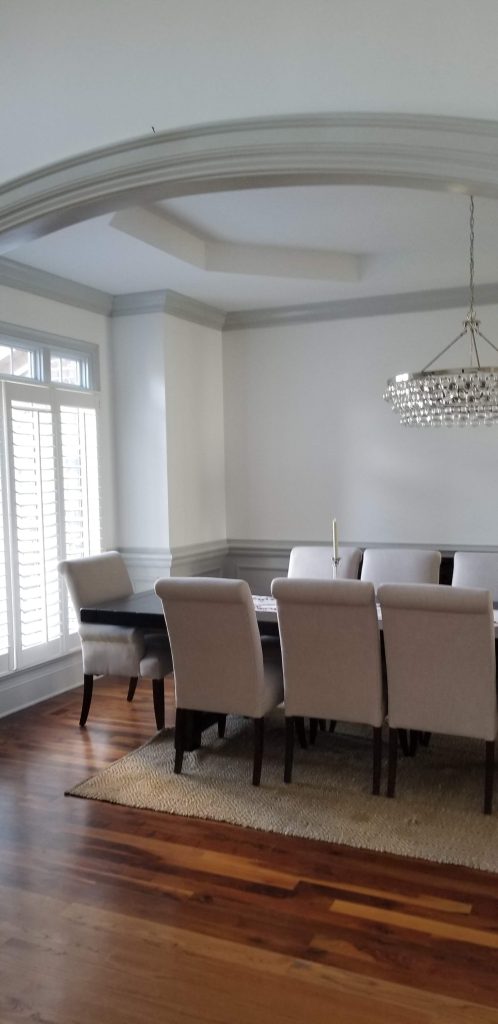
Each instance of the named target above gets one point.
<point>55,510</point>
<point>6,659</point>
<point>35,535</point>
<point>80,486</point>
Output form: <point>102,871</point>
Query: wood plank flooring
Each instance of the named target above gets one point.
<point>109,914</point>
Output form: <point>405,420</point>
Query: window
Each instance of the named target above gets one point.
<point>49,497</point>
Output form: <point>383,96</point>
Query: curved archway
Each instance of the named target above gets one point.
<point>383,149</point>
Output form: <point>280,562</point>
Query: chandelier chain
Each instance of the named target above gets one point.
<point>471,260</point>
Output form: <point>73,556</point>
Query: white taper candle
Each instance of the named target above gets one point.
<point>335,539</point>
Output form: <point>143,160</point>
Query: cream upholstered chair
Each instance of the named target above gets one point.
<point>476,569</point>
<point>315,563</point>
<point>400,565</point>
<point>218,659</point>
<point>330,642</point>
<point>440,656</point>
<point>113,650</point>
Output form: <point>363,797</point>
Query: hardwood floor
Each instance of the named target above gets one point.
<point>109,914</point>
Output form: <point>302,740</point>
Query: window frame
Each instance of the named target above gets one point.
<point>55,395</point>
<point>42,345</point>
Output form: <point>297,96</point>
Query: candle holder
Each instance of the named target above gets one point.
<point>335,566</point>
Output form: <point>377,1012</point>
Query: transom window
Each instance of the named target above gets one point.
<point>43,362</point>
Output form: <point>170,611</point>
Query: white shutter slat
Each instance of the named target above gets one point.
<point>33,452</point>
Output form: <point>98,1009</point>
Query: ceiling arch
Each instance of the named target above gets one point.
<point>424,152</point>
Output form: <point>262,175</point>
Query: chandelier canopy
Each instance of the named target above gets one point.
<point>453,397</point>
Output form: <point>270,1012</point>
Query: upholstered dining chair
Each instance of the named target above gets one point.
<point>218,659</point>
<point>440,656</point>
<point>476,569</point>
<point>315,563</point>
<point>400,565</point>
<point>113,650</point>
<point>330,642</point>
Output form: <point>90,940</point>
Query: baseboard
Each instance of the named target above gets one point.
<point>25,688</point>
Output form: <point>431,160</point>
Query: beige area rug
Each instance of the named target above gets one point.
<point>436,814</point>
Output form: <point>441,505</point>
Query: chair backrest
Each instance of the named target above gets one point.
<point>440,656</point>
<point>96,579</point>
<point>315,563</point>
<point>400,565</point>
<point>476,569</point>
<point>330,642</point>
<point>215,644</point>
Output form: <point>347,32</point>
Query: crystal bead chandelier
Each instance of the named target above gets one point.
<point>454,397</point>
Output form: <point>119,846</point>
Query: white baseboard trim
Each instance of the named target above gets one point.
<point>30,686</point>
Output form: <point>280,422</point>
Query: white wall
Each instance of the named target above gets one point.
<point>195,433</point>
<point>169,442</point>
<point>138,364</point>
<point>308,437</point>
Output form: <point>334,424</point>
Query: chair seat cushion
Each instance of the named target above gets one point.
<point>156,662</point>
<point>110,634</point>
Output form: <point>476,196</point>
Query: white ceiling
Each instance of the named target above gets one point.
<point>408,240</point>
<point>75,76</point>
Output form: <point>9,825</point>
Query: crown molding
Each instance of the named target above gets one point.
<point>416,151</point>
<point>71,293</point>
<point>170,302</point>
<point>51,286</point>
<point>368,306</point>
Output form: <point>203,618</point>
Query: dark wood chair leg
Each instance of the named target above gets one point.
<point>313,730</point>
<point>377,759</point>
<point>87,698</point>
<point>158,699</point>
<point>408,741</point>
<point>332,725</point>
<point>489,776</point>
<point>180,720</point>
<point>392,764</point>
<point>301,732</point>
<point>132,687</point>
<point>425,739</point>
<point>259,733</point>
<point>222,721</point>
<point>289,749</point>
<point>322,725</point>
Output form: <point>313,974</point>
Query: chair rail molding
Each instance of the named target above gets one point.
<point>418,151</point>
<point>146,565</point>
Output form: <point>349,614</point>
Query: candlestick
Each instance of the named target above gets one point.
<point>335,567</point>
<point>335,539</point>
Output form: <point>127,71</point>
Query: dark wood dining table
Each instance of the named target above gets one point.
<point>145,611</point>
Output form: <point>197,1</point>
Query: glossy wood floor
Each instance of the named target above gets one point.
<point>109,914</point>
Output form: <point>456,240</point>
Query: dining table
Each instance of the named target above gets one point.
<point>144,610</point>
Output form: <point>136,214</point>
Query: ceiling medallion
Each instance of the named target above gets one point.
<point>453,397</point>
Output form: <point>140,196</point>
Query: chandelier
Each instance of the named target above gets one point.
<point>461,397</point>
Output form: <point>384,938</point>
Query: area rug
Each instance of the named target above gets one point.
<point>436,814</point>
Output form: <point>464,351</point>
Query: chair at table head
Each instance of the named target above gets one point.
<point>476,569</point>
<point>440,657</point>
<point>331,657</point>
<point>111,650</point>
<point>400,565</point>
<point>315,563</point>
<point>218,662</point>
